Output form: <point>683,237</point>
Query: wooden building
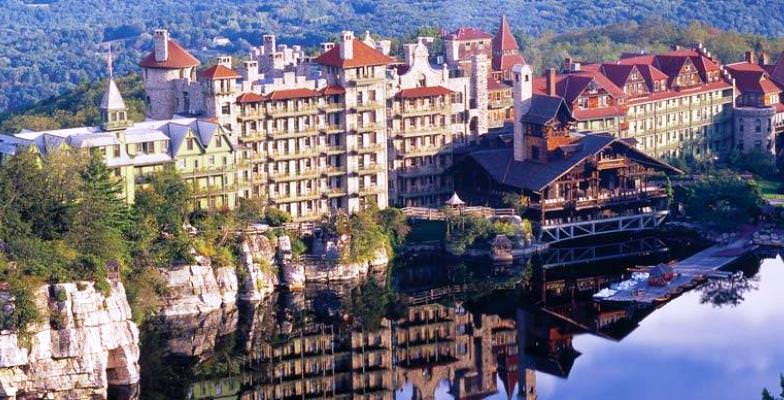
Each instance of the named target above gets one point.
<point>564,176</point>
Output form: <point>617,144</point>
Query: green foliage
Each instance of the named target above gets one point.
<point>277,217</point>
<point>395,225</point>
<point>758,162</point>
<point>250,210</point>
<point>25,309</point>
<point>464,230</point>
<point>367,236</point>
<point>526,227</point>
<point>504,228</point>
<point>298,246</point>
<point>722,200</point>
<point>517,201</point>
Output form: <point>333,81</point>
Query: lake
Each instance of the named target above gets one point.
<point>430,328</point>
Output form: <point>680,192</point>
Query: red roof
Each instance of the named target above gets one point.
<point>468,33</point>
<point>292,94</point>
<point>333,90</point>
<point>752,78</point>
<point>493,84</point>
<point>363,55</point>
<point>178,58</point>
<point>250,98</point>
<point>425,91</point>
<point>218,71</point>
<point>506,54</point>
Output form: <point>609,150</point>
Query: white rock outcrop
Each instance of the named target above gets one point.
<point>258,261</point>
<point>84,343</point>
<point>196,289</point>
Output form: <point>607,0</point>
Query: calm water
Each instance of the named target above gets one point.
<point>430,329</point>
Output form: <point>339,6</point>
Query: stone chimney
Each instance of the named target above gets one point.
<point>567,64</point>
<point>764,58</point>
<point>479,93</point>
<point>523,92</point>
<point>269,44</point>
<point>161,40</point>
<point>224,61</point>
<point>250,71</point>
<point>347,45</point>
<point>749,57</point>
<point>551,79</point>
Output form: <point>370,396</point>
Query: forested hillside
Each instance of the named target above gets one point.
<point>49,46</point>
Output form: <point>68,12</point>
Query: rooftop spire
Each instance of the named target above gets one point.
<point>112,98</point>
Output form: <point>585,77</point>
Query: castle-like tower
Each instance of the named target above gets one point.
<point>523,92</point>
<point>169,71</point>
<point>114,113</point>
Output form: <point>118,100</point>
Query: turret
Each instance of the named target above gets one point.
<point>114,113</point>
<point>523,91</point>
<point>168,73</point>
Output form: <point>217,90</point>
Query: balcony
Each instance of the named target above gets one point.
<point>409,131</point>
<point>370,169</point>
<point>336,192</point>
<point>604,199</point>
<point>286,176</point>
<point>368,106</point>
<point>252,136</point>
<point>425,110</point>
<point>368,190</point>
<point>332,170</point>
<point>213,190</point>
<point>333,129</point>
<point>251,115</point>
<point>369,148</point>
<point>371,127</point>
<point>208,171</point>
<point>335,149</point>
<point>612,163</point>
<point>410,172</point>
<point>294,154</point>
<point>308,131</point>
<point>332,107</point>
<point>425,150</point>
<point>292,197</point>
<point>503,103</point>
<point>366,80</point>
<point>292,111</point>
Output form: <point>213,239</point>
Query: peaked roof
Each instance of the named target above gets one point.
<point>178,58</point>
<point>363,55</point>
<point>506,54</point>
<point>112,98</point>
<point>219,71</point>
<point>504,169</point>
<point>752,78</point>
<point>468,33</point>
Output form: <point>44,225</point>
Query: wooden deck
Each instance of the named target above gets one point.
<point>688,272</point>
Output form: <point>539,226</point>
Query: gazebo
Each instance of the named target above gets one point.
<point>455,201</point>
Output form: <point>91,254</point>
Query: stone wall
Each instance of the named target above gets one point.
<point>84,343</point>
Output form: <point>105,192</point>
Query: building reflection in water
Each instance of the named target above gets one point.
<point>465,326</point>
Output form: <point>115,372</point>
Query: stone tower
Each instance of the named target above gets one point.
<point>523,92</point>
<point>114,113</point>
<point>479,95</point>
<point>169,71</point>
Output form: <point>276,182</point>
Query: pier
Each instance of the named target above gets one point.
<point>687,273</point>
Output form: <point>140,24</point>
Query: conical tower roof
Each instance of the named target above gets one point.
<point>112,98</point>
<point>455,200</point>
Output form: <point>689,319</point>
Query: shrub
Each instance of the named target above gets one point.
<point>25,309</point>
<point>276,217</point>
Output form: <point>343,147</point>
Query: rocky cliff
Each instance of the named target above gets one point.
<point>84,343</point>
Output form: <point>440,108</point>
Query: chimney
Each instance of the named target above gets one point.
<point>269,44</point>
<point>327,46</point>
<point>567,64</point>
<point>522,95</point>
<point>224,61</point>
<point>347,45</point>
<point>250,71</point>
<point>551,81</point>
<point>161,40</point>
<point>749,57</point>
<point>764,58</point>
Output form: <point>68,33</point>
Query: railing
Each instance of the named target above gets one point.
<point>205,171</point>
<point>603,198</point>
<point>290,111</point>
<point>422,130</point>
<point>425,150</point>
<point>302,153</point>
<point>365,80</point>
<point>419,171</point>
<point>283,176</point>
<point>503,103</point>
<point>612,163</point>
<point>438,214</point>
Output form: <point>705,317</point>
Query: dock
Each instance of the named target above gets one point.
<point>688,272</point>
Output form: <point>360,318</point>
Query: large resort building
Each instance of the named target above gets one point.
<point>352,125</point>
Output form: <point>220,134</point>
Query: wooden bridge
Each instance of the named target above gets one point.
<point>436,214</point>
<point>562,231</point>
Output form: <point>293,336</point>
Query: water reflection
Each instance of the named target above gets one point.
<point>458,330</point>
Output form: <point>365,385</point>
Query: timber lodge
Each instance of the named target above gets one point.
<point>352,125</point>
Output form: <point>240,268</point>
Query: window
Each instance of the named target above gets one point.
<point>226,109</point>
<point>189,143</point>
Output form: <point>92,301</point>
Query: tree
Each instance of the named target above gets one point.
<point>722,200</point>
<point>100,217</point>
<point>766,395</point>
<point>394,223</point>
